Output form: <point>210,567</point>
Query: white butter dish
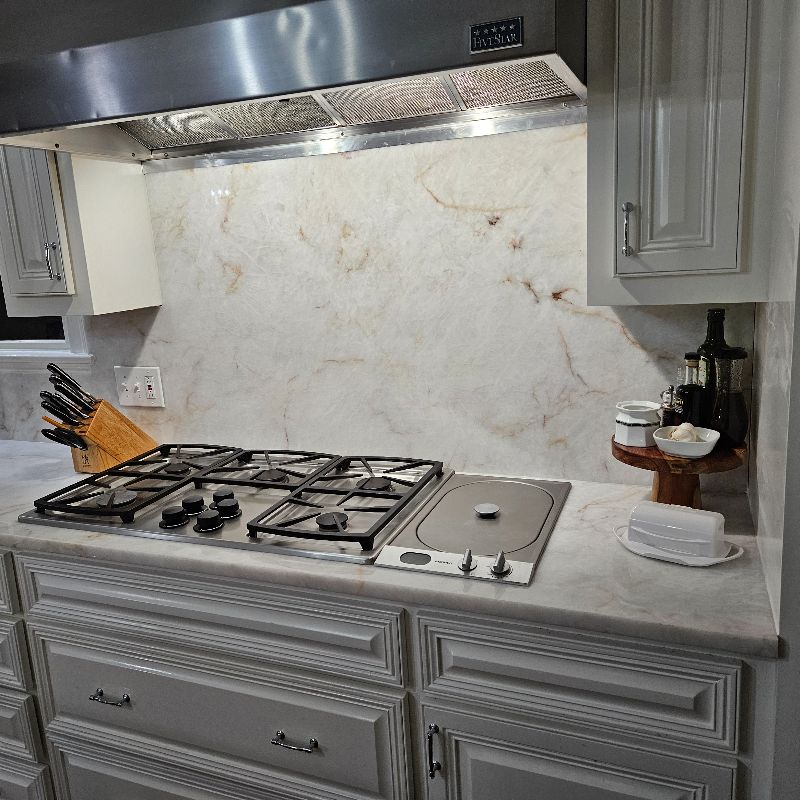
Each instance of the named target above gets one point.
<point>621,532</point>
<point>678,529</point>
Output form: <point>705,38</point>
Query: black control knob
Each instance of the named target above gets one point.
<point>222,494</point>
<point>500,566</point>
<point>228,508</point>
<point>173,517</point>
<point>208,521</point>
<point>193,503</point>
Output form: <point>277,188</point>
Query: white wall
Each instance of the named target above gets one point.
<point>425,300</point>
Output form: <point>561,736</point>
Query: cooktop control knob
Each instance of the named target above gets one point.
<point>468,562</point>
<point>220,495</point>
<point>228,508</point>
<point>173,517</point>
<point>487,510</point>
<point>500,567</point>
<point>208,521</point>
<point>193,503</point>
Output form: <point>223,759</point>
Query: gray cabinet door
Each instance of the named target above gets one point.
<point>30,244</point>
<point>483,758</point>
<point>680,105</point>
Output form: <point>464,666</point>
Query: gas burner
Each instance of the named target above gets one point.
<point>332,520</point>
<point>377,483</point>
<point>176,467</point>
<point>272,475</point>
<point>116,498</point>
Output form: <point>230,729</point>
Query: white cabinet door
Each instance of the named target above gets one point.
<point>30,241</point>
<point>680,106</point>
<point>483,758</point>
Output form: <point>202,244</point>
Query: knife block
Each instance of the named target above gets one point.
<point>112,439</point>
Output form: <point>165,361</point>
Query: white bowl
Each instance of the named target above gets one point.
<point>699,449</point>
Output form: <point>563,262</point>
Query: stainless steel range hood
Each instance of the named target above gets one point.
<point>290,77</point>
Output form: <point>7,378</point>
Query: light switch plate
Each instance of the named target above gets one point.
<point>139,386</point>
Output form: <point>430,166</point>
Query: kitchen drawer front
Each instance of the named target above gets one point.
<point>19,730</point>
<point>230,618</point>
<point>528,671</point>
<point>490,759</point>
<point>223,713</point>
<point>86,773</point>
<point>92,762</point>
<point>21,781</point>
<point>14,666</point>
<point>9,602</point>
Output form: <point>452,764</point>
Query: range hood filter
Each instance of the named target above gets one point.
<point>416,97</point>
<point>424,96</point>
<point>509,83</point>
<point>267,117</point>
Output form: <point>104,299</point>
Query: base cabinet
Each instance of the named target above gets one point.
<point>482,758</point>
<point>20,781</point>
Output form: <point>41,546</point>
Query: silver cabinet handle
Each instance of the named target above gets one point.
<point>627,208</point>
<point>433,765</point>
<point>280,736</point>
<point>99,697</point>
<point>53,276</point>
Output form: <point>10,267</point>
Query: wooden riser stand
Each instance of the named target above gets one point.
<point>112,438</point>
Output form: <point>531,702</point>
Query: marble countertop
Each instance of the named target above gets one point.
<point>585,579</point>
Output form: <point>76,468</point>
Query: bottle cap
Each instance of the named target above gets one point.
<point>716,313</point>
<point>692,356</point>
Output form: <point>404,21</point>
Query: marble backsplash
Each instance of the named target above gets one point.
<point>424,300</point>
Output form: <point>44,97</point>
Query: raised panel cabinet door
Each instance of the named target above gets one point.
<point>680,106</point>
<point>30,243</point>
<point>482,758</point>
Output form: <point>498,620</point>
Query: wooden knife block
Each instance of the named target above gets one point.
<point>112,439</point>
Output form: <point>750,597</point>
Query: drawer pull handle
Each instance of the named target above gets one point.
<point>433,765</point>
<point>627,209</point>
<point>280,736</point>
<point>99,697</point>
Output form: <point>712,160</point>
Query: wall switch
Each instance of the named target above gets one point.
<point>139,386</point>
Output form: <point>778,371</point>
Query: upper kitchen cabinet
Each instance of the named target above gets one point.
<point>75,235</point>
<point>678,118</point>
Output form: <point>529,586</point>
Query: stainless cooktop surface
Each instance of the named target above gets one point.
<point>480,527</point>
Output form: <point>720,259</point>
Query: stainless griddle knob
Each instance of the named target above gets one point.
<point>468,562</point>
<point>500,568</point>
<point>487,510</point>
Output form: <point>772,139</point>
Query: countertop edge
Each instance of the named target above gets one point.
<point>286,571</point>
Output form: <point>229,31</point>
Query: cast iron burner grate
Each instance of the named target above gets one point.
<point>261,469</point>
<point>351,500</point>
<point>126,489</point>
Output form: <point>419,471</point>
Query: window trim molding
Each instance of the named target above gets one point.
<point>33,355</point>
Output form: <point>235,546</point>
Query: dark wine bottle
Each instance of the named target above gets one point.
<point>714,346</point>
<point>691,395</point>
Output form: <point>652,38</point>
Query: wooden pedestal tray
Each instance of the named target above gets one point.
<point>677,480</point>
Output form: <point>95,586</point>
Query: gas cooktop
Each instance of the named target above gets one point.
<point>318,505</point>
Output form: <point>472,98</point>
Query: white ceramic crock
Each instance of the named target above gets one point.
<point>636,422</point>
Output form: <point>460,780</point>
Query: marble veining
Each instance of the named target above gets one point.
<point>775,324</point>
<point>424,300</point>
<point>585,580</point>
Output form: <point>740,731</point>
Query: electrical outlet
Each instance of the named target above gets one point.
<point>139,386</point>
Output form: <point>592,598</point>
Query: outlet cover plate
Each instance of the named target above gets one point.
<point>139,386</point>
